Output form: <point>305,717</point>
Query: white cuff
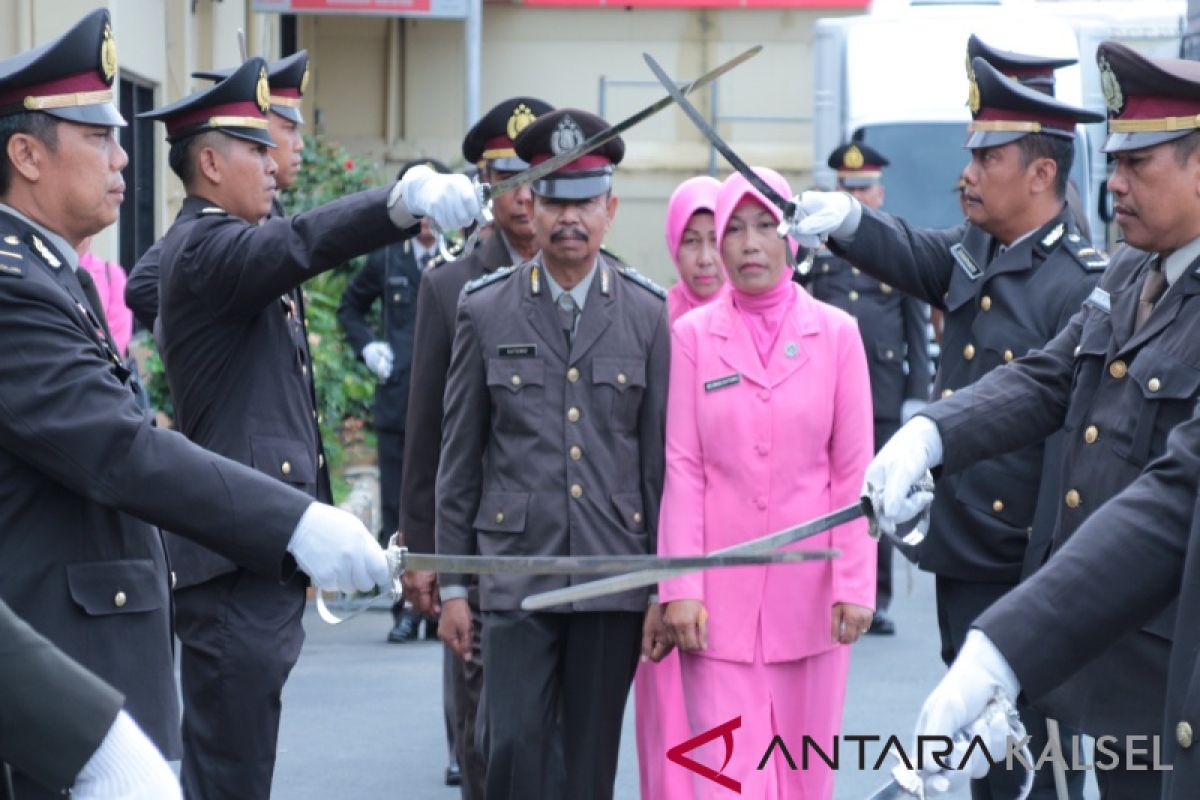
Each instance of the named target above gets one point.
<point>927,429</point>
<point>844,233</point>
<point>400,215</point>
<point>452,593</point>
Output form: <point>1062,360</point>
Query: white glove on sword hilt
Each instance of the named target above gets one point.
<point>449,201</point>
<point>899,466</point>
<point>484,197</point>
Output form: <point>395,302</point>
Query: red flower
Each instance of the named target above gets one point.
<point>349,164</point>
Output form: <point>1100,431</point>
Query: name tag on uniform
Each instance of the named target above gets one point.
<point>517,350</point>
<point>965,261</point>
<point>1099,299</point>
<point>721,383</point>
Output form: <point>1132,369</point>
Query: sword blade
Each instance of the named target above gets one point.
<point>782,203</point>
<point>592,565</point>
<point>608,134</point>
<point>649,577</point>
<point>892,791</point>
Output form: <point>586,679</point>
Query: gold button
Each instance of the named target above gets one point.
<point>883,287</point>
<point>516,380</point>
<point>576,491</point>
<point>969,352</point>
<point>499,517</point>
<point>174,579</point>
<point>576,452</point>
<point>890,354</point>
<point>1091,434</point>
<point>637,518</point>
<point>853,295</point>
<point>997,506</point>
<point>119,600</point>
<point>985,303</point>
<point>947,392</point>
<point>1073,499</point>
<point>1117,369</point>
<point>286,467</point>
<point>573,375</point>
<point>856,270</point>
<point>621,379</point>
<point>1008,356</point>
<point>1183,734</point>
<point>573,414</point>
<point>1154,384</point>
<point>396,297</point>
<point>825,267</point>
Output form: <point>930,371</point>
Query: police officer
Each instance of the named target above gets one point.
<point>894,328</point>
<point>84,465</point>
<point>489,145</point>
<point>553,445</point>
<point>1116,381</point>
<point>1008,280</point>
<point>237,363</point>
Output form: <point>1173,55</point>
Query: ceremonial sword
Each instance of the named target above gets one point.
<point>487,191</point>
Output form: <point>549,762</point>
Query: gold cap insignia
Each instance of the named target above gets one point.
<point>853,158</point>
<point>1113,97</point>
<point>972,89</point>
<point>304,80</point>
<point>108,54</point>
<point>262,92</point>
<point>519,120</point>
<point>567,136</point>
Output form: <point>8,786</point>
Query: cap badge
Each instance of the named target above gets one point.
<point>1113,98</point>
<point>108,54</point>
<point>262,92</point>
<point>566,137</point>
<point>304,81</point>
<point>973,101</point>
<point>519,120</point>
<point>853,158</point>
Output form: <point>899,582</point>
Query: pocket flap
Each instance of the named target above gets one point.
<point>1162,377</point>
<point>284,459</point>
<point>620,373</point>
<point>515,373</point>
<point>998,493</point>
<point>890,351</point>
<point>629,509</point>
<point>502,512</point>
<point>128,586</point>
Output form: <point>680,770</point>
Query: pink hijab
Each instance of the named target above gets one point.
<point>763,313</point>
<point>694,194</point>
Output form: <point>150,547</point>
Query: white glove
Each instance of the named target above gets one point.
<point>337,551</point>
<point>824,214</point>
<point>450,201</point>
<point>126,766</point>
<point>897,467</point>
<point>957,705</point>
<point>379,359</point>
<point>910,408</point>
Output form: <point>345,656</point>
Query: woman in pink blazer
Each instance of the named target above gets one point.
<point>662,719</point>
<point>768,425</point>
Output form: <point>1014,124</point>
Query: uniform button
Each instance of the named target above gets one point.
<point>119,600</point>
<point>1077,349</point>
<point>174,579</point>
<point>320,461</point>
<point>573,414</point>
<point>576,452</point>
<point>853,295</point>
<point>997,506</point>
<point>1117,369</point>
<point>621,379</point>
<point>856,270</point>
<point>314,413</point>
<point>883,287</point>
<point>947,392</point>
<point>516,380</point>
<point>576,491</point>
<point>1008,356</point>
<point>637,518</point>
<point>573,375</point>
<point>890,354</point>
<point>1073,499</point>
<point>1183,734</point>
<point>396,297</point>
<point>985,303</point>
<point>286,467</point>
<point>304,370</point>
<point>499,517</point>
<point>825,267</point>
<point>1154,384</point>
<point>969,352</point>
<point>1091,434</point>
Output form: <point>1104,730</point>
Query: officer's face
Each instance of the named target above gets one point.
<point>288,144</point>
<point>76,187</point>
<point>513,210</point>
<point>999,190</point>
<point>698,260</point>
<point>755,257</point>
<point>570,231</point>
<point>1157,197</point>
<point>242,174</point>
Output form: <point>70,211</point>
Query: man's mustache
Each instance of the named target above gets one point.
<point>569,233</point>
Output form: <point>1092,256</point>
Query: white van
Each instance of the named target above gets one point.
<point>898,75</point>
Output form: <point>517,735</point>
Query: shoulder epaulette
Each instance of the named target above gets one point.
<point>489,279</point>
<point>1081,250</point>
<point>641,280</point>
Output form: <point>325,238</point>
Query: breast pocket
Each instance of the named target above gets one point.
<point>399,290</point>
<point>502,512</point>
<point>516,386</point>
<point>127,586</point>
<point>284,459</point>
<point>620,384</point>
<point>1168,388</point>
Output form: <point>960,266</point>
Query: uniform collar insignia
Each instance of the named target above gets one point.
<point>44,251</point>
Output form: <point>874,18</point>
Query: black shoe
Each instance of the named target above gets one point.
<point>453,775</point>
<point>882,625</point>
<point>405,629</point>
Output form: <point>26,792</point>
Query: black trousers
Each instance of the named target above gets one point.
<point>240,636</point>
<point>555,696</point>
<point>470,723</point>
<point>389,446</point>
<point>959,603</point>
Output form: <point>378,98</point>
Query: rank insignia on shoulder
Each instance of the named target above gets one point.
<point>10,239</point>
<point>44,251</point>
<point>964,260</point>
<point>213,210</point>
<point>1089,257</point>
<point>13,270</point>
<point>487,280</point>
<point>641,280</point>
<point>1054,235</point>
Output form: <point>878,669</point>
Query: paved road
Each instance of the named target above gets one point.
<point>362,718</point>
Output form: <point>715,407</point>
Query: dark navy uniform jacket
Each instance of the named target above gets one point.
<point>997,307</point>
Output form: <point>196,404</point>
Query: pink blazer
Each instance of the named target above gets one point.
<point>754,449</point>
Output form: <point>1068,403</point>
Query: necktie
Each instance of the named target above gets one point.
<point>93,298</point>
<point>1152,289</point>
<point>568,315</point>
